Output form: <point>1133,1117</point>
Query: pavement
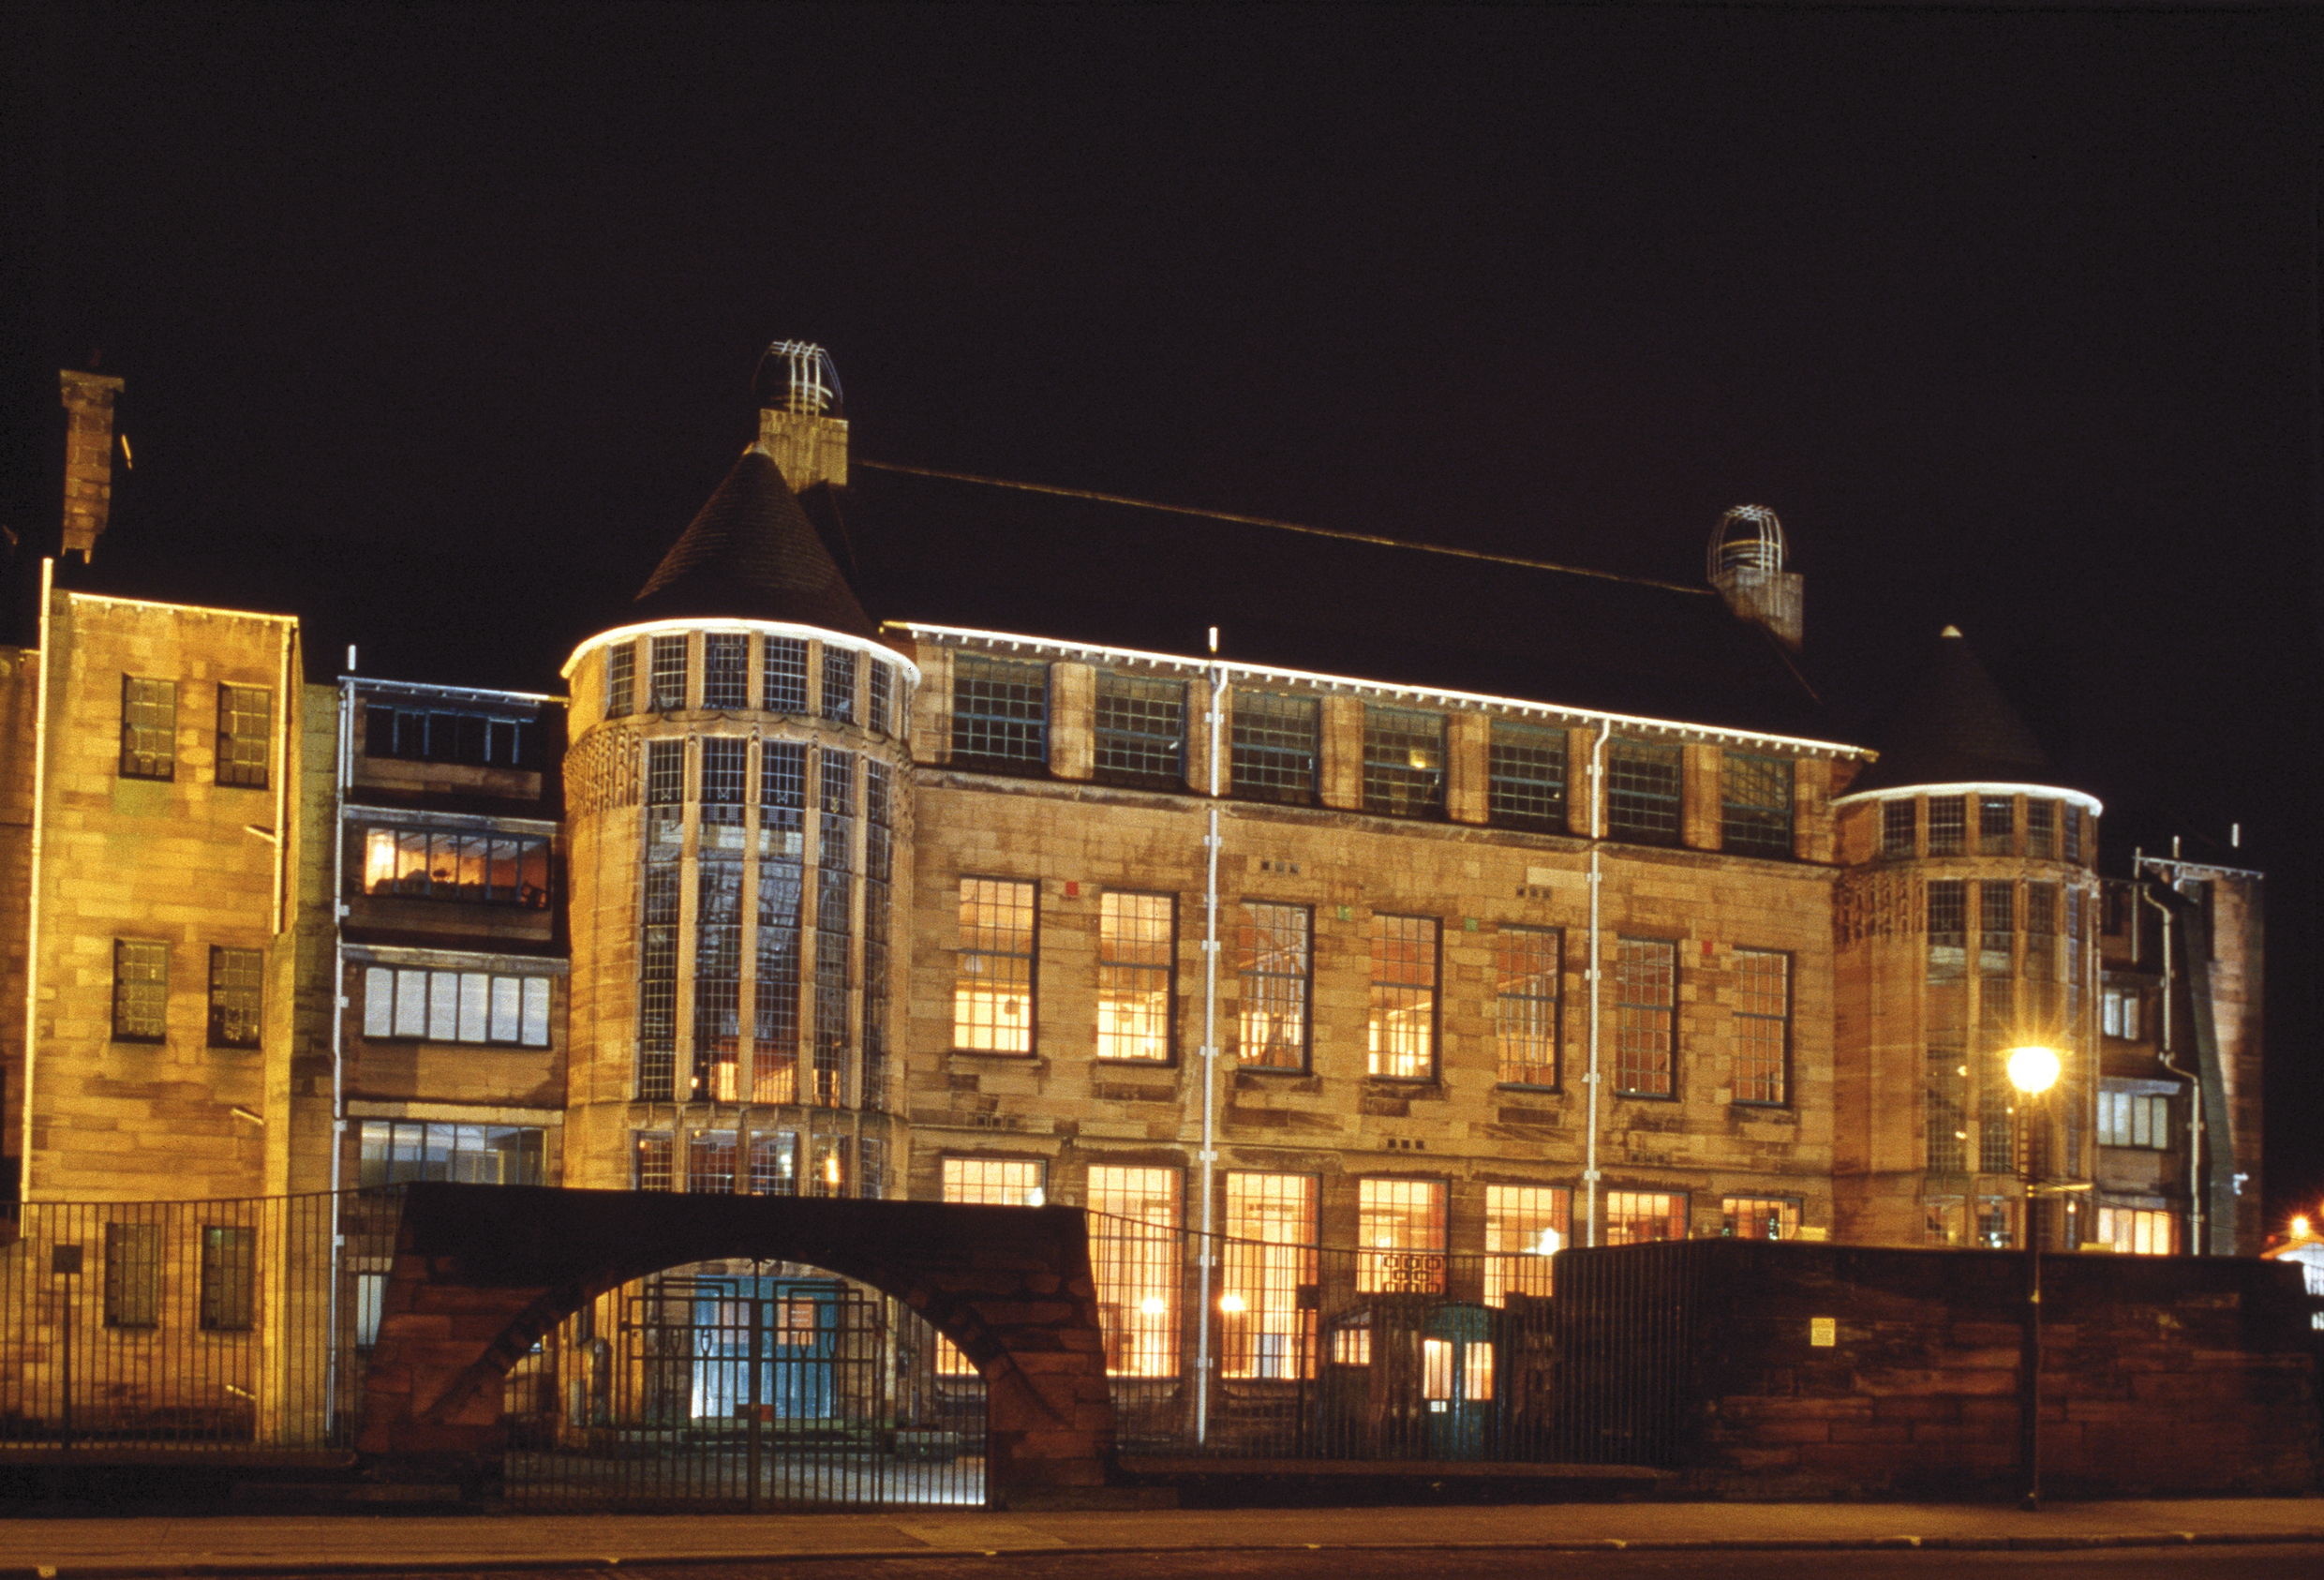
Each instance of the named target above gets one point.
<point>256,1545</point>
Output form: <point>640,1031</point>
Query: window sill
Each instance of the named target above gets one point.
<point>1556,1089</point>
<point>992,1053</point>
<point>1649,1096</point>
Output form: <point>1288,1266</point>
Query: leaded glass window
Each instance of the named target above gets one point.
<point>1000,714</point>
<point>1275,951</point>
<point>667,673</point>
<point>1643,780</point>
<point>1403,762</point>
<point>1142,731</point>
<point>1272,752</point>
<point>1403,1032</point>
<point>1527,777</point>
<point>783,675</point>
<point>1755,804</point>
<point>1528,973</point>
<point>726,671</point>
<point>1645,1024</point>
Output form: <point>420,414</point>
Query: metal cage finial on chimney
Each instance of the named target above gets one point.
<point>1748,538</point>
<point>807,382</point>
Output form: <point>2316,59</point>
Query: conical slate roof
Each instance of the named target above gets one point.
<point>751,553</point>
<point>1956,728</point>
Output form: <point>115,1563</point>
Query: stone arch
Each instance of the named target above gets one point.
<point>480,1272</point>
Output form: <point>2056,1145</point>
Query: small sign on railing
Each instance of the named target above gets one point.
<point>1823,1331</point>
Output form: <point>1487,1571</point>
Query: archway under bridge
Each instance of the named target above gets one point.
<point>481,1273</point>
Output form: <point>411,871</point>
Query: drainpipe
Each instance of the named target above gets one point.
<point>1597,833</point>
<point>1209,1156</point>
<point>32,914</point>
<point>345,737</point>
<point>2199,1246</point>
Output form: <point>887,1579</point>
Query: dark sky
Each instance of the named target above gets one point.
<point>438,325</point>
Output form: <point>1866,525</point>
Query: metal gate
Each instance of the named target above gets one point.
<point>743,1386</point>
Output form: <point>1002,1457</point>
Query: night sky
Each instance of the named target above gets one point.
<point>438,324</point>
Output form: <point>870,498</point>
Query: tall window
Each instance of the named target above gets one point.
<point>245,735</point>
<point>1948,824</point>
<point>1997,927</point>
<point>1142,731</point>
<point>1645,1009</point>
<point>718,981</point>
<point>666,668</point>
<point>141,989</point>
<point>1641,791</point>
<point>475,1007</point>
<point>1527,779</point>
<point>1403,762</point>
<point>834,926</point>
<point>148,728</point>
<point>1403,998</point>
<point>133,1276</point>
<point>1759,1217</point>
<point>1947,1111</point>
<point>1898,828</point>
<point>236,977</point>
<point>1755,804</point>
<point>650,1159</point>
<point>620,680</point>
<point>827,1166</point>
<point>723,779</point>
<point>1137,937</point>
<point>397,1150</point>
<point>2070,821</point>
<point>992,982</point>
<point>657,960</point>
<point>2041,828</point>
<point>839,684</point>
<point>1275,981</point>
<point>1133,1234</point>
<point>774,1163</point>
<point>1267,1322</point>
<point>1529,968</point>
<point>1400,1225</point>
<point>880,685</point>
<point>468,866</point>
<point>726,671</point>
<point>1000,714</point>
<point>1997,824</point>
<point>1633,1217</point>
<point>1524,1227</point>
<point>1272,753</point>
<point>2137,1231</point>
<point>1763,1026</point>
<point>775,1040</point>
<point>710,1163</point>
<point>783,675</point>
<point>229,1276</point>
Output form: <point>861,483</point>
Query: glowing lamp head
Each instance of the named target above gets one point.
<point>2034,1069</point>
<point>1230,1302</point>
<point>1152,1306</point>
<point>2300,1228</point>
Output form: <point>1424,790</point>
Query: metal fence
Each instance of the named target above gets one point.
<point>197,1326</point>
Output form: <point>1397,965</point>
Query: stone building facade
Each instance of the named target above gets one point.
<point>778,899</point>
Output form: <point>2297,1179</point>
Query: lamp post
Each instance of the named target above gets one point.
<point>2033,1070</point>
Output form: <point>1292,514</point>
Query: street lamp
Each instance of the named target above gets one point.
<point>2033,1070</point>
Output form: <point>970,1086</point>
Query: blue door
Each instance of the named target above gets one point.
<point>1457,1380</point>
<point>792,1324</point>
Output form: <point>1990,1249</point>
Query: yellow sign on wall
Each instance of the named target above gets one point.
<point>1823,1331</point>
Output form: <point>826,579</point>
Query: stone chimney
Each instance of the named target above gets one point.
<point>88,459</point>
<point>1747,568</point>
<point>802,426</point>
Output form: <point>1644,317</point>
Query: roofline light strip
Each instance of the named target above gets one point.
<point>864,645</point>
<point>1977,787</point>
<point>1414,693</point>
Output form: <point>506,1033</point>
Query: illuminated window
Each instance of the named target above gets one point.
<point>718,981</point>
<point>236,1001</point>
<point>1763,1026</point>
<point>1633,1217</point>
<point>774,1163</point>
<point>1760,1218</point>
<point>141,989</point>
<point>2119,1012</point>
<point>1948,824</point>
<point>1134,1221</point>
<point>467,865</point>
<point>839,684</point>
<point>2041,829</point>
<point>1646,1011</point>
<point>1400,1225</point>
<point>475,1007</point>
<point>1403,762</point>
<point>650,1149</point>
<point>1947,1111</point>
<point>726,671</point>
<point>1267,1294</point>
<point>1274,950</point>
<point>2138,1232</point>
<point>775,1033</point>
<point>1529,968</point>
<point>666,671</point>
<point>1000,714</point>
<point>1142,731</point>
<point>992,983</point>
<point>1755,804</point>
<point>783,669</point>
<point>1642,781</point>
<point>620,680</point>
<point>996,1182</point>
<point>1997,824</point>
<point>245,735</point>
<point>229,1276</point>
<point>1996,1223</point>
<point>656,984</point>
<point>148,728</point>
<point>1524,1227</point>
<point>133,1276</point>
<point>1272,749</point>
<point>2134,1119</point>
<point>1403,998</point>
<point>827,1166</point>
<point>396,1151</point>
<point>1137,938</point>
<point>1899,828</point>
<point>1526,777</point>
<point>1946,1221</point>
